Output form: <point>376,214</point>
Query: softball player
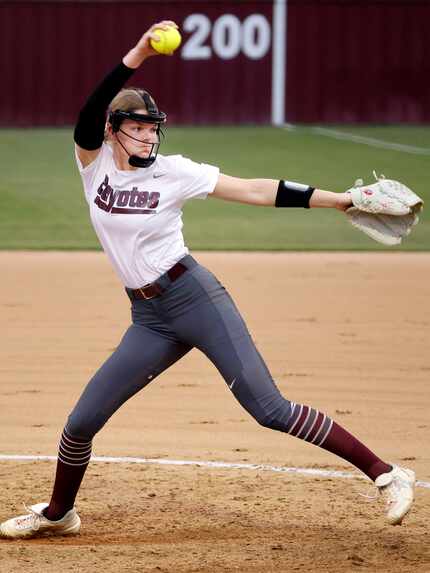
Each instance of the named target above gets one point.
<point>135,198</point>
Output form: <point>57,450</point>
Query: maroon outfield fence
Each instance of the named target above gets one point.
<point>240,62</point>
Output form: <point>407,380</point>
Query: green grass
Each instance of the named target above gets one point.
<point>43,207</point>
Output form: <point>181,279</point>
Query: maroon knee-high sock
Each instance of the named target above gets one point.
<point>317,428</point>
<point>73,458</point>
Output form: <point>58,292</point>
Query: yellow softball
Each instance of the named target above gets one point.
<point>170,39</point>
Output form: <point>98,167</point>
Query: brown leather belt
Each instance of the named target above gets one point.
<point>152,290</point>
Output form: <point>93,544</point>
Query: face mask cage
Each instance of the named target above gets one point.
<point>137,161</point>
<point>153,116</point>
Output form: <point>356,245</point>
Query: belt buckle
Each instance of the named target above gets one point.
<point>145,297</point>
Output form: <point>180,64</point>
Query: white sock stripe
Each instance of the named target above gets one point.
<point>327,433</point>
<point>74,451</point>
<point>319,429</point>
<point>74,454</point>
<point>67,437</point>
<point>84,459</point>
<point>297,434</point>
<point>67,454</point>
<point>70,464</point>
<point>297,419</point>
<point>293,407</point>
<point>75,448</point>
<point>293,410</point>
<point>312,425</point>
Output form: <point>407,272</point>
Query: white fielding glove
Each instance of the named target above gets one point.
<point>385,211</point>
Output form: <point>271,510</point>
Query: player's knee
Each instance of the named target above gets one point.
<point>259,395</point>
<point>274,417</point>
<point>80,427</point>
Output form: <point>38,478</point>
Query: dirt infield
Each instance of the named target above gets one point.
<point>346,333</point>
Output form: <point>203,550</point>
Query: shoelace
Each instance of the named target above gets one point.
<point>370,497</point>
<point>33,518</point>
<point>389,492</point>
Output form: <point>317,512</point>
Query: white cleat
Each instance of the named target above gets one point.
<point>35,523</point>
<point>397,487</point>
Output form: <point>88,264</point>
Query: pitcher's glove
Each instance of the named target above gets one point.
<point>385,211</point>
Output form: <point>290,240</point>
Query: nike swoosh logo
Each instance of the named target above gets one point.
<point>232,383</point>
<point>157,175</point>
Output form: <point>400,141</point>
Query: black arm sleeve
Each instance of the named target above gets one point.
<point>292,194</point>
<point>89,129</point>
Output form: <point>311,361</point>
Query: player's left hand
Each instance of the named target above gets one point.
<point>343,201</point>
<point>385,211</point>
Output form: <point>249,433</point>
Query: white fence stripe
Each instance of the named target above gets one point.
<point>207,464</point>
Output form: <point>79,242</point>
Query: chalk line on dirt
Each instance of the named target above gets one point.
<point>204,463</point>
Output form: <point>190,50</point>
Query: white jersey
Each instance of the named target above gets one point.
<point>137,214</point>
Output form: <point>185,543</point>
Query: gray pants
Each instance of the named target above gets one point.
<point>195,311</point>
